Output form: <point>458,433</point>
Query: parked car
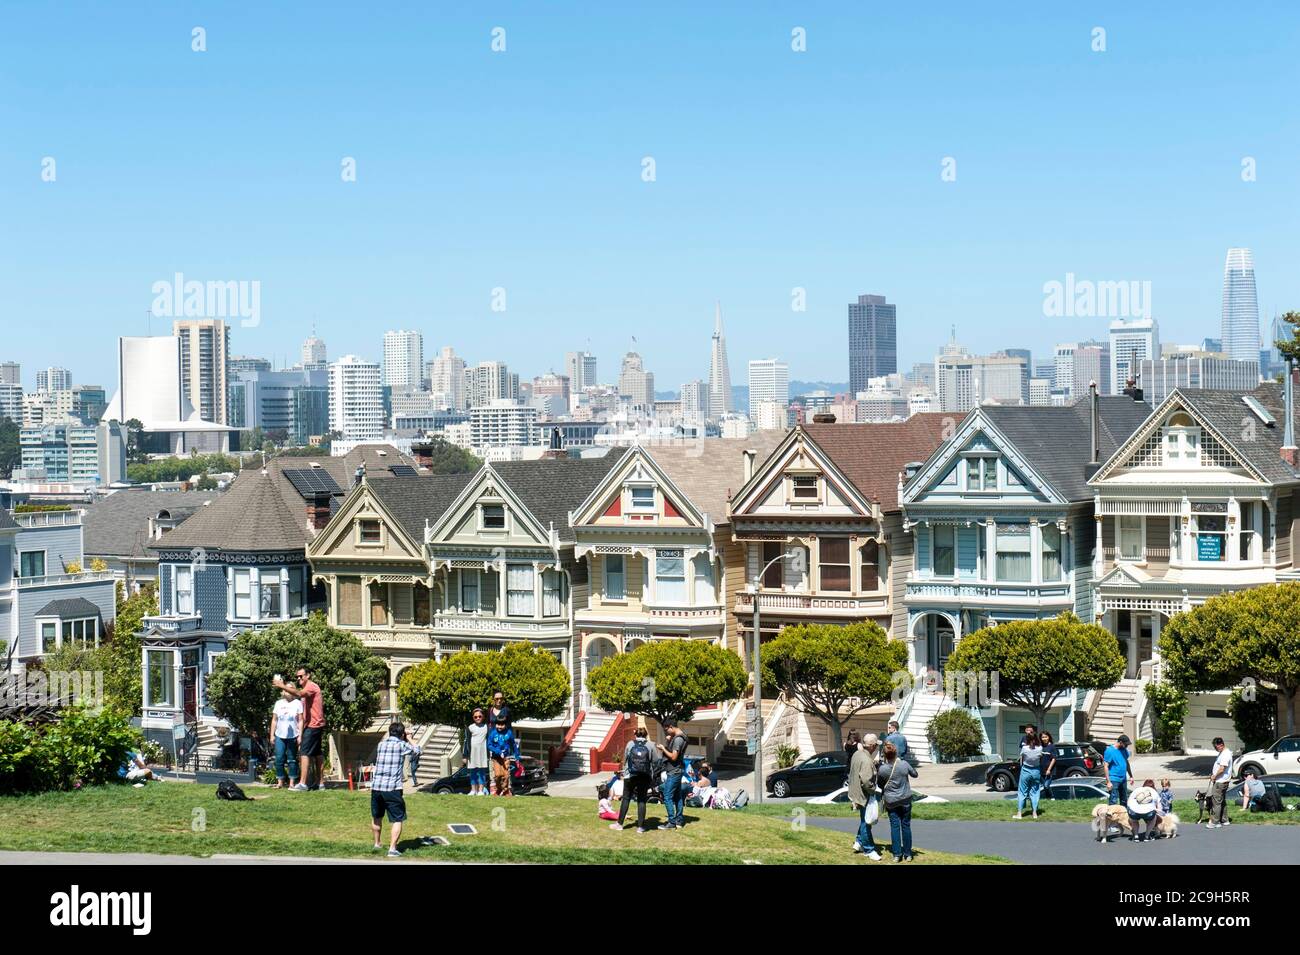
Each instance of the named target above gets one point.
<point>842,795</point>
<point>815,776</point>
<point>1073,760</point>
<point>1282,757</point>
<point>1288,787</point>
<point>1072,787</point>
<point>531,783</point>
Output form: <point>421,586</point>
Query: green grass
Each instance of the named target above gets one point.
<point>161,819</point>
<point>1001,810</point>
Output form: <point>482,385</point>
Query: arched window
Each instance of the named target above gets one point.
<point>1182,441</point>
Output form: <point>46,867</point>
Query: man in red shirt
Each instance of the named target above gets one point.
<point>309,752</point>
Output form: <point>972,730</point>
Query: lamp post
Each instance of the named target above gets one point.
<point>758,683</point>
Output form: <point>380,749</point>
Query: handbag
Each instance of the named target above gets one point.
<point>873,810</point>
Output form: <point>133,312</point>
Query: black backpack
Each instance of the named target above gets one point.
<point>226,789</point>
<point>1272,799</point>
<point>638,759</point>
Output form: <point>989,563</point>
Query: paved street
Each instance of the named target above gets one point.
<point>1072,843</point>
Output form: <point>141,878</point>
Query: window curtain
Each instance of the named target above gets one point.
<point>519,590</point>
<point>670,578</point>
<point>552,593</point>
<point>704,589</point>
<point>1013,552</point>
<point>1051,552</point>
<point>615,577</point>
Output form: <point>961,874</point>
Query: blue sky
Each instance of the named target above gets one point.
<point>522,170</point>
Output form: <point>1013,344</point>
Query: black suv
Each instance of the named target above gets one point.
<point>1072,760</point>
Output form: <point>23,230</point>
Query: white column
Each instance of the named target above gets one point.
<point>537,591</point>
<point>1035,551</point>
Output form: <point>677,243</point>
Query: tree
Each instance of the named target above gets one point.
<point>1036,662</point>
<point>11,454</point>
<point>834,672</point>
<point>535,684</point>
<point>667,679</point>
<point>1289,347</point>
<point>120,648</point>
<point>349,674</point>
<point>135,453</point>
<point>1248,635</point>
<point>447,458</point>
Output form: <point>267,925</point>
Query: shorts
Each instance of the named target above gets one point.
<point>387,801</point>
<point>311,738</point>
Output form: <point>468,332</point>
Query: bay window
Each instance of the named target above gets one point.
<point>469,586</point>
<point>945,550</point>
<point>552,593</point>
<point>269,595</point>
<point>243,589</point>
<point>1014,560</point>
<point>349,601</point>
<point>184,590</point>
<point>379,605</point>
<point>833,564</point>
<point>1246,533</point>
<point>520,598</point>
<point>870,552</point>
<point>161,685</point>
<point>1211,538</point>
<point>615,577</point>
<point>705,592</point>
<point>421,605</point>
<point>772,578</point>
<point>670,577</point>
<point>1051,558</point>
<point>1130,533</point>
<point>296,575</point>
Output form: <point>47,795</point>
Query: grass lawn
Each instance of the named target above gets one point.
<point>335,823</point>
<point>1001,810</point>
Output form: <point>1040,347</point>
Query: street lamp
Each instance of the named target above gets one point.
<point>758,680</point>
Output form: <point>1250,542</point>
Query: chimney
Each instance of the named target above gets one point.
<point>555,448</point>
<point>823,417</point>
<point>1094,421</point>
<point>423,454</point>
<point>749,454</point>
<point>318,512</point>
<point>1289,452</point>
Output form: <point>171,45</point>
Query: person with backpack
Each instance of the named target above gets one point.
<point>638,762</point>
<point>674,760</point>
<point>1252,792</point>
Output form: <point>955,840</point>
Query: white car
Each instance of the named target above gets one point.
<point>842,795</point>
<point>1282,757</point>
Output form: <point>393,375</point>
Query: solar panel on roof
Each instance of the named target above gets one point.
<point>310,482</point>
<point>402,470</point>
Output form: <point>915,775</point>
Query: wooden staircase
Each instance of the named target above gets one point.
<point>577,760</point>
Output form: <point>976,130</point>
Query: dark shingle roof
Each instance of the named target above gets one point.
<point>709,471</point>
<point>7,523</point>
<point>118,525</point>
<point>1225,411</point>
<point>552,487</point>
<point>1056,441</point>
<point>413,500</point>
<point>872,454</point>
<point>69,608</point>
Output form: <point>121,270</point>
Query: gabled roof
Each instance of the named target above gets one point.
<point>413,500</point>
<point>872,454</point>
<point>552,487</point>
<point>7,523</point>
<point>118,525</point>
<point>69,608</point>
<point>637,464</point>
<point>708,471</point>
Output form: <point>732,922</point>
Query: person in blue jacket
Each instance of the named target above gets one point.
<point>503,749</point>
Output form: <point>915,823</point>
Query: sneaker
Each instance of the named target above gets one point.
<point>394,853</point>
<point>300,788</point>
<point>640,831</point>
<point>616,826</point>
<point>856,847</point>
<point>1018,816</point>
<point>667,825</point>
<point>907,858</point>
<point>873,855</point>
<point>376,847</point>
<point>898,858</point>
<point>1227,822</point>
<point>1035,815</point>
<point>1211,825</point>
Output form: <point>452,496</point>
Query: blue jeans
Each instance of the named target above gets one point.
<point>673,804</point>
<point>900,830</point>
<point>1118,792</point>
<point>1031,785</point>
<point>478,777</point>
<point>865,839</point>
<point>286,751</point>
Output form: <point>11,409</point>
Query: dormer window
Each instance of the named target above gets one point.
<point>803,487</point>
<point>643,498</point>
<point>1182,442</point>
<point>369,531</point>
<point>493,517</point>
<point>981,474</point>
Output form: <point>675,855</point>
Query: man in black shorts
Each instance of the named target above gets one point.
<point>386,786</point>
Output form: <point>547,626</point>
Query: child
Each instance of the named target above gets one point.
<point>1166,798</point>
<point>503,752</point>
<point>605,807</point>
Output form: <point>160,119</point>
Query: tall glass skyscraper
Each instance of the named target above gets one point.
<point>1240,331</point>
<point>873,340</point>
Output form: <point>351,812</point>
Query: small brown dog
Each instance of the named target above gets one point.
<point>1105,817</point>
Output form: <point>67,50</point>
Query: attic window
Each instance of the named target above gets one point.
<point>369,531</point>
<point>643,498</point>
<point>494,517</point>
<point>804,487</point>
<point>1182,441</point>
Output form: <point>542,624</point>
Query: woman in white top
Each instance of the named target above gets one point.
<point>286,730</point>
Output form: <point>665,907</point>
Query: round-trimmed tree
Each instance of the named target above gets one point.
<point>1246,635</point>
<point>349,675</point>
<point>1036,662</point>
<point>667,679</point>
<point>833,672</point>
<point>535,684</point>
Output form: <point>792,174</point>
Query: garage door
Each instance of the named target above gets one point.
<point>1207,717</point>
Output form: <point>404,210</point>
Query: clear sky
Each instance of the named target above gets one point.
<point>523,170</point>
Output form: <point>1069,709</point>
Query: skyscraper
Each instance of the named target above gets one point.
<point>769,380</point>
<point>11,373</point>
<point>695,404</point>
<point>313,353</point>
<point>403,360</point>
<point>1092,363</point>
<point>205,365</point>
<point>489,381</point>
<point>447,378</point>
<point>873,340</point>
<point>356,400</point>
<point>1131,341</point>
<point>53,379</point>
<point>635,383</point>
<point>1240,325</point>
<point>719,370</point>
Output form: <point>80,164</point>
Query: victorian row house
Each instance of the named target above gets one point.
<point>1001,516</point>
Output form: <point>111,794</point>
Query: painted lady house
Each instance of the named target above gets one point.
<point>661,562</point>
<point>236,564</point>
<point>1001,516</point>
<point>1200,500</point>
<point>819,529</point>
<point>422,567</point>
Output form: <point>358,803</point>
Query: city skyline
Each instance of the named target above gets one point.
<point>971,251</point>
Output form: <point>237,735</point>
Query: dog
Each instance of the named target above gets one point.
<point>1105,817</point>
<point>1202,806</point>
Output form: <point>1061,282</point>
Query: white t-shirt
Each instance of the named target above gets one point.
<point>286,718</point>
<point>1224,759</point>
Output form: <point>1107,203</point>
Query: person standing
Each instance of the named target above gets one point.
<point>862,793</point>
<point>286,730</point>
<point>1220,777</point>
<point>1031,774</point>
<point>1050,753</point>
<point>386,786</point>
<point>1118,773</point>
<point>503,752</point>
<point>896,791</point>
<point>498,712</point>
<point>310,754</point>
<point>895,737</point>
<point>674,756</point>
<point>638,761</point>
<point>474,754</point>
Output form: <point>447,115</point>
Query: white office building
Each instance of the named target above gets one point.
<point>769,380</point>
<point>313,354</point>
<point>1240,322</point>
<point>502,423</point>
<point>490,381</point>
<point>1131,343</point>
<point>403,360</point>
<point>205,365</point>
<point>963,380</point>
<point>356,401</point>
<point>151,387</point>
<point>446,375</point>
<point>54,379</point>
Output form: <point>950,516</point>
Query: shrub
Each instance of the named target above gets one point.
<point>1168,711</point>
<point>1254,720</point>
<point>1142,745</point>
<point>786,756</point>
<point>955,736</point>
<point>82,748</point>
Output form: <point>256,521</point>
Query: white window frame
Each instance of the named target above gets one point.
<point>529,595</point>
<point>934,550</point>
<point>641,506</point>
<point>176,588</point>
<point>235,573</point>
<point>621,574</point>
<point>505,517</point>
<point>171,669</point>
<point>460,590</point>
<point>662,580</point>
<point>1142,537</point>
<point>796,498</point>
<point>45,563</point>
<point>383,537</point>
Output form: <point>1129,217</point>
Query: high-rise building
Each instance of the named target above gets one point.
<point>635,383</point>
<point>153,387</point>
<point>489,381</point>
<point>11,373</point>
<point>89,402</point>
<point>241,363</point>
<point>580,367</point>
<point>271,400</point>
<point>205,365</point>
<point>1092,363</point>
<point>555,389</point>
<point>873,340</point>
<point>1131,341</point>
<point>1195,369</point>
<point>719,370</point>
<point>769,380</point>
<point>1040,391</point>
<point>503,423</point>
<point>446,375</point>
<point>313,353</point>
<point>403,360</point>
<point>74,453</point>
<point>695,403</point>
<point>964,380</point>
<point>356,399</point>
<point>1240,323</point>
<point>53,379</point>
<point>1064,374</point>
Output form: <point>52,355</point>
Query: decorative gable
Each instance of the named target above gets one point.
<point>977,464</point>
<point>637,493</point>
<point>799,478</point>
<point>362,528</point>
<point>1175,438</point>
<point>487,513</point>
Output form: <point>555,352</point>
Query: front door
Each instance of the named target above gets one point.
<point>939,642</point>
<point>190,685</point>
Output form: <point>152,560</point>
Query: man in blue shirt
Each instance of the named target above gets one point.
<point>1118,772</point>
<point>895,736</point>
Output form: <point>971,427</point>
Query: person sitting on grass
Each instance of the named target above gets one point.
<point>134,770</point>
<point>1252,792</point>
<point>605,808</point>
